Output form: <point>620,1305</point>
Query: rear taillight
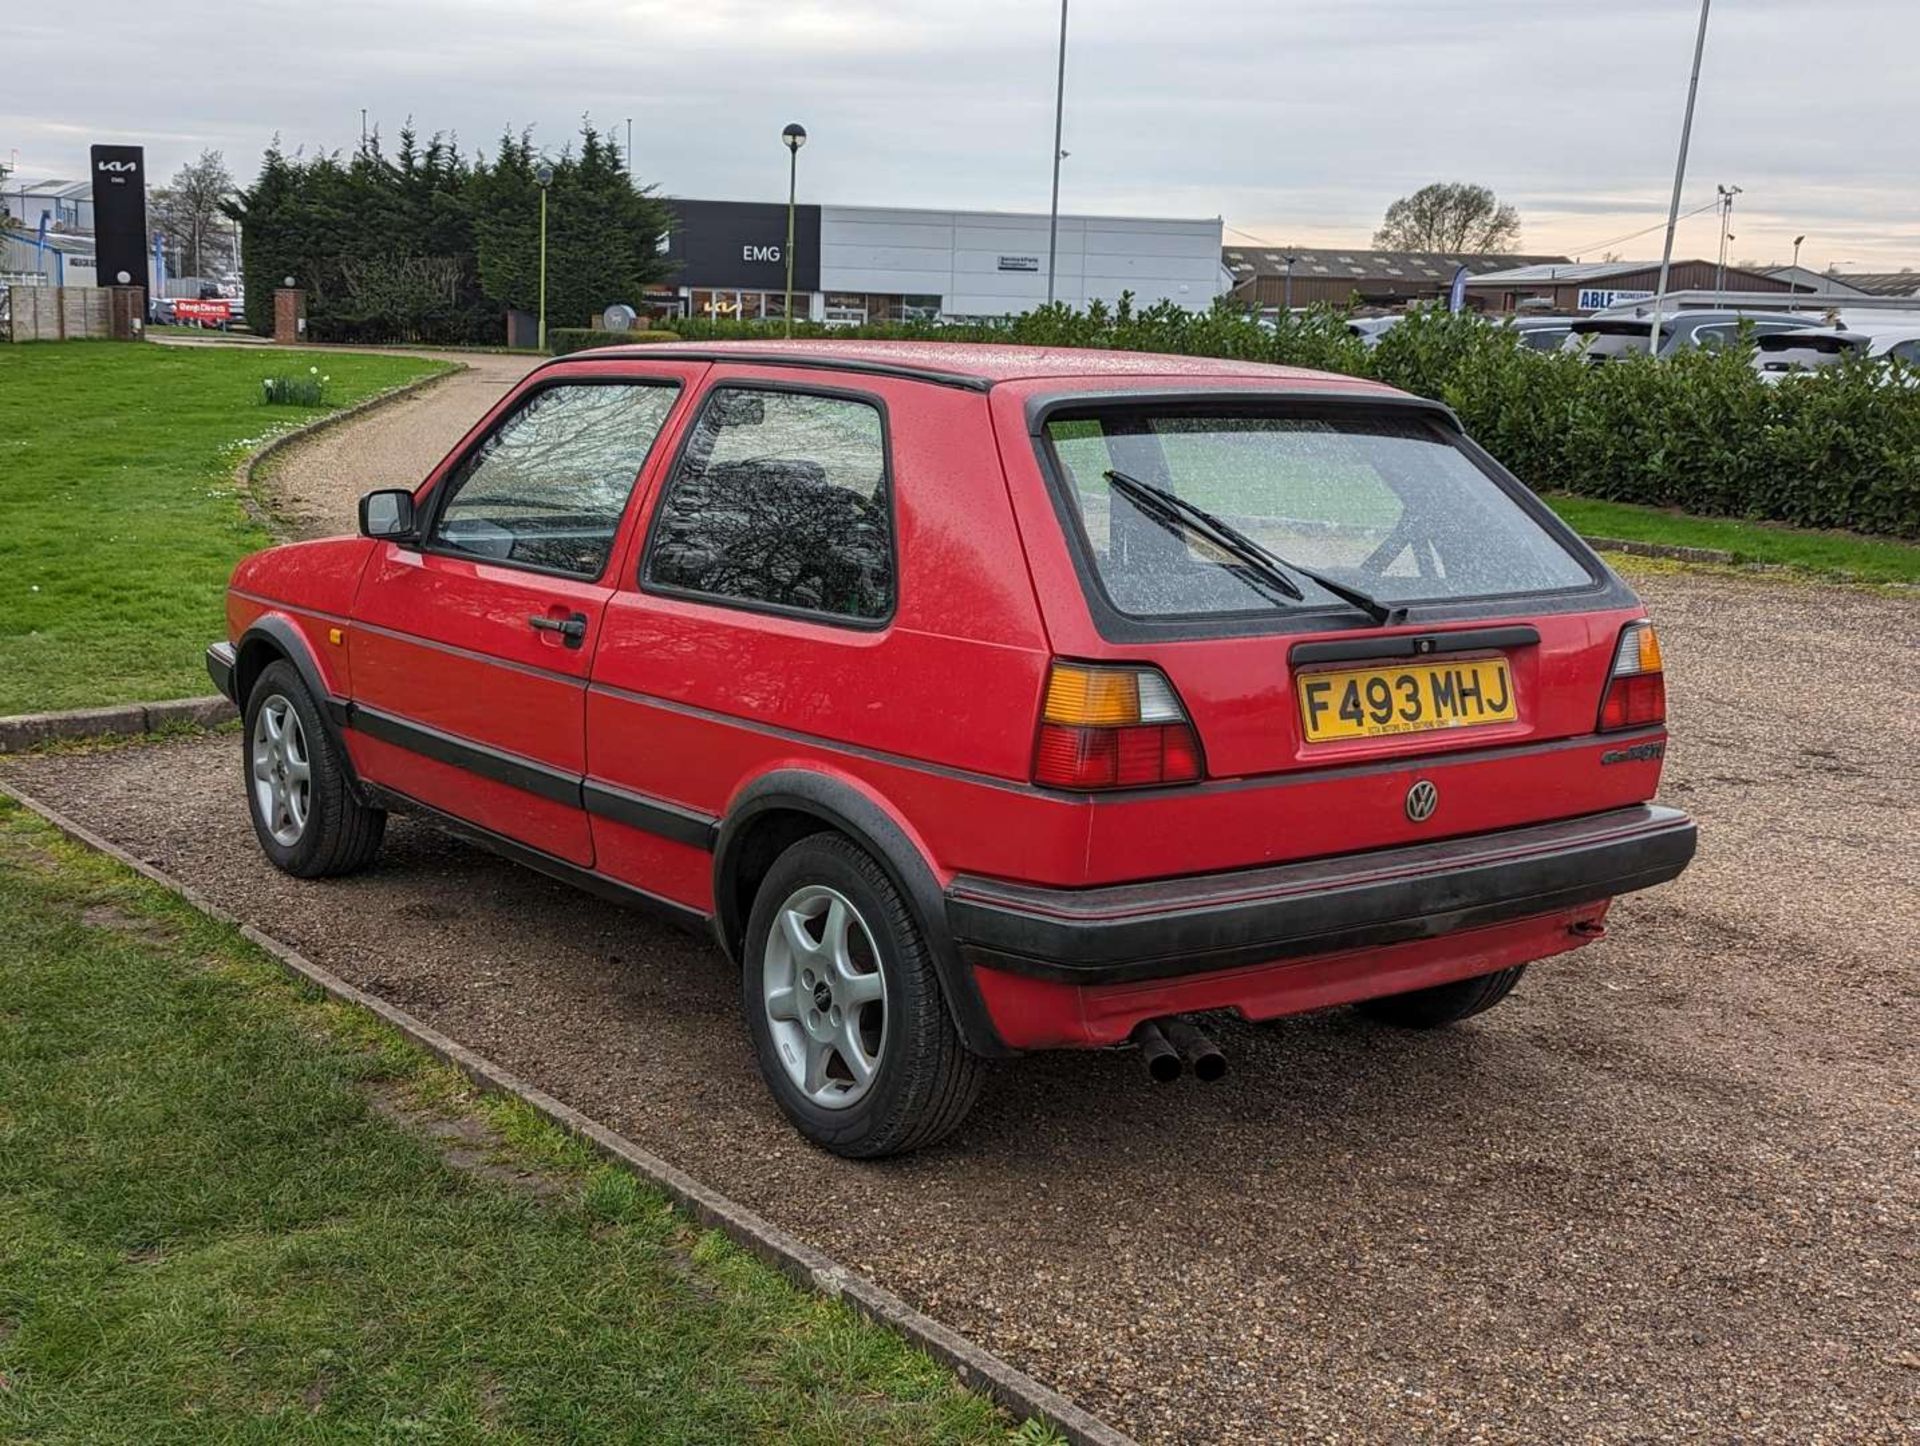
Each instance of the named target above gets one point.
<point>1113,728</point>
<point>1637,687</point>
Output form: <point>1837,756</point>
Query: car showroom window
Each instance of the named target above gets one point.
<point>547,486</point>
<point>781,500</point>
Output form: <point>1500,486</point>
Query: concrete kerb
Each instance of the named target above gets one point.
<point>1660,549</point>
<point>1018,1392</point>
<point>22,731</point>
<point>246,472</point>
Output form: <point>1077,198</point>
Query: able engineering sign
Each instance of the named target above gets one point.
<point>1594,299</point>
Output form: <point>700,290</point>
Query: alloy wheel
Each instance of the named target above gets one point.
<point>282,771</point>
<point>825,996</point>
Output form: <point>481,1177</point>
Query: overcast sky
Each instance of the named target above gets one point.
<point>1295,122</point>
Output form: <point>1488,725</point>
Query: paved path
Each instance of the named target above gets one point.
<point>315,486</point>
<point>1665,1192</point>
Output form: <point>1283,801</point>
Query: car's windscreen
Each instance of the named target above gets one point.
<point>1603,344</point>
<point>1384,504</point>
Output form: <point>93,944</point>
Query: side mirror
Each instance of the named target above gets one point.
<point>388,514</point>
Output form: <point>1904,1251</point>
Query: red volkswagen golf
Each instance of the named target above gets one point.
<point>981,699</point>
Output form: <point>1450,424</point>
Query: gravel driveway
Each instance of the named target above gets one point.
<point>1665,1192</point>
<point>315,486</point>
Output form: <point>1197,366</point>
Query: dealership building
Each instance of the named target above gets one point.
<point>857,264</point>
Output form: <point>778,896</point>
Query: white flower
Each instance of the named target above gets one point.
<point>314,370</point>
<point>33,587</point>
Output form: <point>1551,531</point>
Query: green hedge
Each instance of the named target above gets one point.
<point>1701,432</point>
<point>561,340</point>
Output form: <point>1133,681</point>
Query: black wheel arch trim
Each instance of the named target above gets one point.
<point>283,638</point>
<point>1164,929</point>
<point>846,810</point>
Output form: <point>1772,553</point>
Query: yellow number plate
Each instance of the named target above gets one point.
<point>1412,698</point>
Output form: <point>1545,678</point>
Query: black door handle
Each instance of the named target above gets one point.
<point>573,629</point>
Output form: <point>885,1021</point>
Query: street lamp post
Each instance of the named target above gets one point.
<point>794,136</point>
<point>544,175</point>
<point>1059,117</point>
<point>1727,193</point>
<point>1291,258</point>
<point>1679,178</point>
<point>1796,254</point>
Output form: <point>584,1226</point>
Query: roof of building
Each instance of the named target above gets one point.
<point>977,364</point>
<point>64,190</point>
<point>1882,283</point>
<point>1248,262</point>
<point>1828,281</point>
<point>1563,272</point>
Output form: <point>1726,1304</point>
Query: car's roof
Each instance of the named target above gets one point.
<point>979,365</point>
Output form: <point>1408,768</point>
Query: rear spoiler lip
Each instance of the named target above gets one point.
<point>1347,399</point>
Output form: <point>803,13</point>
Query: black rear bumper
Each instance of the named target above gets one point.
<point>1126,932</point>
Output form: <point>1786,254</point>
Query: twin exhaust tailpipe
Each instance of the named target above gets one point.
<point>1170,1046</point>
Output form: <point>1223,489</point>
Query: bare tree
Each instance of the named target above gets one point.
<point>1449,216</point>
<point>188,210</point>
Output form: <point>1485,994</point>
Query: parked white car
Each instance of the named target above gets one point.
<point>1810,348</point>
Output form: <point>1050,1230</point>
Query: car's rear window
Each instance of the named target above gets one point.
<point>1386,504</point>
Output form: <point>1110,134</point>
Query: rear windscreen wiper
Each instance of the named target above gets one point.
<point>1160,502</point>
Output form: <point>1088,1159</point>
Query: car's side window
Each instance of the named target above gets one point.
<point>547,486</point>
<point>782,499</point>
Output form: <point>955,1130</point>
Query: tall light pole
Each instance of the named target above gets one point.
<point>544,175</point>
<point>1796,252</point>
<point>629,150</point>
<point>1291,258</point>
<point>1679,178</point>
<point>1059,117</point>
<point>1727,193</point>
<point>795,136</point>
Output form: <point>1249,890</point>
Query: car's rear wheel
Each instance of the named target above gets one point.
<point>844,1006</point>
<point>1444,1003</point>
<point>303,809</point>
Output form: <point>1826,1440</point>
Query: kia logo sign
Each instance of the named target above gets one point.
<point>759,253</point>
<point>119,165</point>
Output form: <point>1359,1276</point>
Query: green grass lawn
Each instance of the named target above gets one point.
<point>119,522</point>
<point>208,1232</point>
<point>1870,559</point>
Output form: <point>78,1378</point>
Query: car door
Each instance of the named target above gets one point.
<point>766,586</point>
<point>470,647</point>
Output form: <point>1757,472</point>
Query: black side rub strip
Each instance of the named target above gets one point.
<point>539,779</point>
<point>1127,932</point>
<point>655,816</point>
<point>668,820</point>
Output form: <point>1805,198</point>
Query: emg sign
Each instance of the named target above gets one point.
<point>743,244</point>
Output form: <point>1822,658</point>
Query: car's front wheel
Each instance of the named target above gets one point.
<point>304,812</point>
<point>844,1006</point>
<point>1444,1004</point>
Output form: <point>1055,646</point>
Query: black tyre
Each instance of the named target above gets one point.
<point>304,813</point>
<point>844,1006</point>
<point>1444,1003</point>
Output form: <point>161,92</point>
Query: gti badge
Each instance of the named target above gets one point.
<point>1422,799</point>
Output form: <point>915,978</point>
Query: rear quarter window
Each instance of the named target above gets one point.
<point>781,500</point>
